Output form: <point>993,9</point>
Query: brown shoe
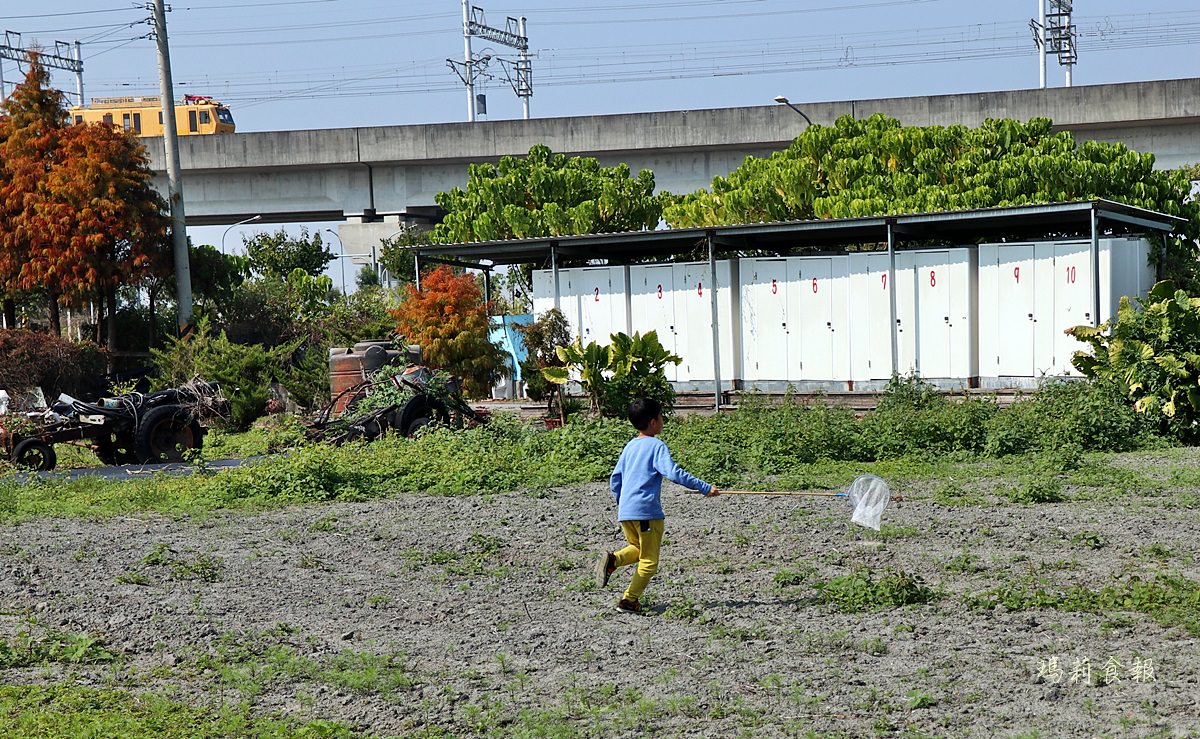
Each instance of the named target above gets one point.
<point>625,605</point>
<point>606,565</point>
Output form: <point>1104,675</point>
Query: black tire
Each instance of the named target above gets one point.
<point>117,449</point>
<point>416,425</point>
<point>34,454</point>
<point>164,433</point>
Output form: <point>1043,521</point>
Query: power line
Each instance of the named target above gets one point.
<point>60,15</point>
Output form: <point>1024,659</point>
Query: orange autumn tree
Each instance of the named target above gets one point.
<point>100,223</point>
<point>32,119</point>
<point>449,320</point>
<point>78,215</point>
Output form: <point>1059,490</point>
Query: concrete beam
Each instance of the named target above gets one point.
<point>303,175</point>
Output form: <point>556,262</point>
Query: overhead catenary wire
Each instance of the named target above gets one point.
<point>759,56</point>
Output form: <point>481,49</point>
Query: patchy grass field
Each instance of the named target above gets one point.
<point>1032,596</point>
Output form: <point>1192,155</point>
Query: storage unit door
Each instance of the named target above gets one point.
<point>1015,311</point>
<point>568,300</point>
<point>653,305</point>
<point>906,316</point>
<point>814,358</point>
<point>601,304</point>
<point>693,315</point>
<point>764,319</point>
<point>932,274</point>
<point>877,345</point>
<point>1073,300</point>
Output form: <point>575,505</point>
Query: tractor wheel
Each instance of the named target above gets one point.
<point>416,425</point>
<point>164,433</point>
<point>116,449</point>
<point>34,454</point>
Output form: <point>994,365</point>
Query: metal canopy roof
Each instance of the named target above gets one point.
<point>787,236</point>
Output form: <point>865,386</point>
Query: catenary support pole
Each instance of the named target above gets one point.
<point>468,66</point>
<point>417,270</point>
<point>79,73</point>
<point>526,70</point>
<point>891,278</point>
<point>1041,42</point>
<point>183,275</point>
<point>716,327</point>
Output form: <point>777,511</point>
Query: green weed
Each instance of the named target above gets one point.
<point>70,710</point>
<point>24,649</point>
<point>1171,600</point>
<point>859,591</point>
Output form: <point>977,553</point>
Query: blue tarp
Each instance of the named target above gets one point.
<point>505,334</point>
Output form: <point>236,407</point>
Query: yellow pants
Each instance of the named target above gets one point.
<point>642,549</point>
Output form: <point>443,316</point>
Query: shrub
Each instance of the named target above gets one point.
<point>32,359</point>
<point>1090,415</point>
<point>542,338</point>
<point>245,372</point>
<point>914,417</point>
<point>1151,353</point>
<point>448,319</point>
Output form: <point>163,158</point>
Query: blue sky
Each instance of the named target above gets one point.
<point>288,64</point>
<point>284,64</point>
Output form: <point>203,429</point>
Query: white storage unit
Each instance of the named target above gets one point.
<point>652,305</point>
<point>935,315</point>
<point>568,296</point>
<point>693,322</point>
<point>763,293</point>
<point>602,304</point>
<point>795,321</point>
<point>1031,292</point>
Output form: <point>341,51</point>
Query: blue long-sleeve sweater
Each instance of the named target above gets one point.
<point>636,481</point>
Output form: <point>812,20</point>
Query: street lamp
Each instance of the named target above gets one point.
<point>342,265</point>
<point>784,101</point>
<point>251,219</point>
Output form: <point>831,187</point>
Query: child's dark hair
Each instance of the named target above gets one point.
<point>642,411</point>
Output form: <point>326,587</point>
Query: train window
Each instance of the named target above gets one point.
<point>224,115</point>
<point>160,117</point>
<point>108,119</point>
<point>137,122</point>
<point>192,122</point>
<point>126,122</point>
<point>205,118</point>
<point>78,119</point>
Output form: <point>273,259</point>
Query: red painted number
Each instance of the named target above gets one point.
<point>1017,274</point>
<point>814,284</point>
<point>774,287</point>
<point>1071,275</point>
<point>700,289</point>
<point>932,278</point>
<point>597,295</point>
<point>660,292</point>
<point>883,277</point>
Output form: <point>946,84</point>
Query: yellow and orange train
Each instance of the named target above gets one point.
<point>197,115</point>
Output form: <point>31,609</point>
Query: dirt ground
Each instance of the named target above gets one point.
<point>486,604</point>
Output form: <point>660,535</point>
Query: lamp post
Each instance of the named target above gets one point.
<point>251,219</point>
<point>342,265</point>
<point>784,101</point>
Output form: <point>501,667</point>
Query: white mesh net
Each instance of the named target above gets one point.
<point>869,495</point>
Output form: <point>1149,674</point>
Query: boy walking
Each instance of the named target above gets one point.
<point>637,487</point>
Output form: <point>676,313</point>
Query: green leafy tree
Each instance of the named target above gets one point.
<point>546,194</point>
<point>542,338</point>
<point>279,254</point>
<point>877,166</point>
